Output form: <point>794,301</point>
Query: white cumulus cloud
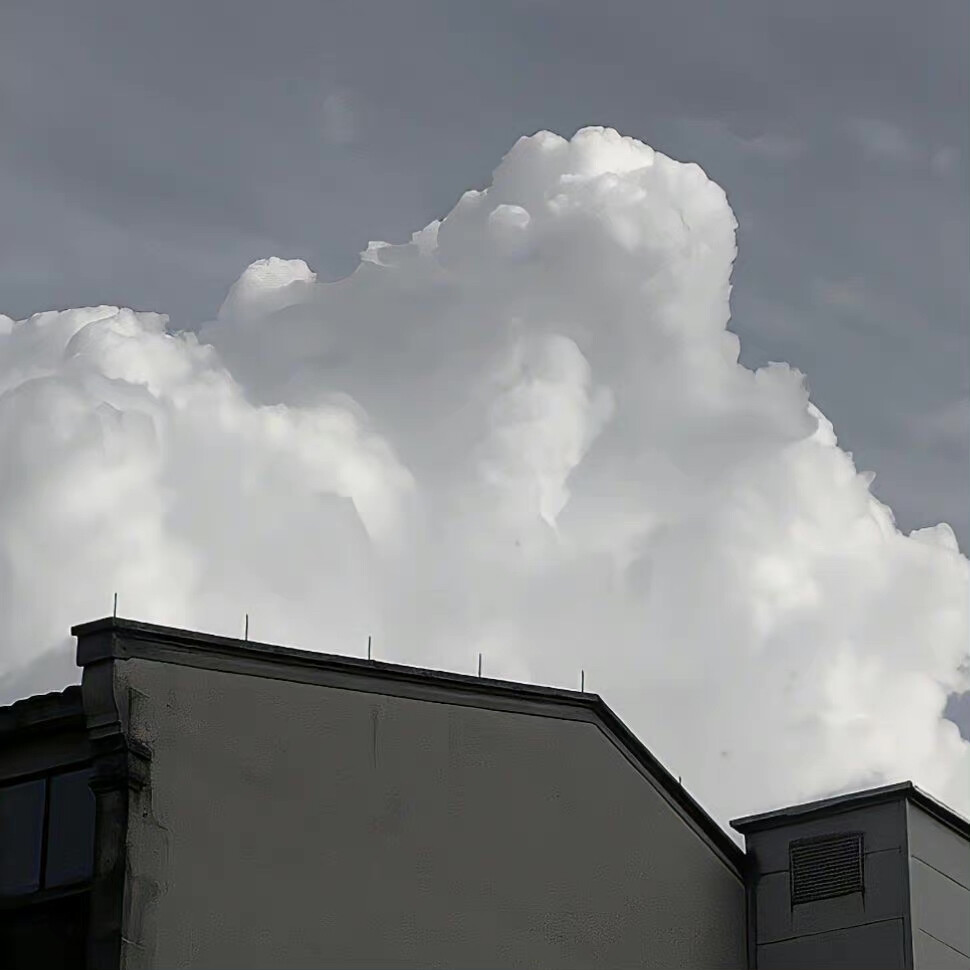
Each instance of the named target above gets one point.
<point>523,432</point>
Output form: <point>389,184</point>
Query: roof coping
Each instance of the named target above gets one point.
<point>118,638</point>
<point>825,807</point>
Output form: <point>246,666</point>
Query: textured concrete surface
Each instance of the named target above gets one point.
<point>294,825</point>
<point>939,872</point>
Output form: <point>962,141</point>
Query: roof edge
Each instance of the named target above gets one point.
<point>118,638</point>
<point>42,712</point>
<point>848,802</point>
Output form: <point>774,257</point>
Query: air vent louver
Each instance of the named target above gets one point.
<point>825,867</point>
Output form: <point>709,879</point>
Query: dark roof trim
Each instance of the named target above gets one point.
<point>55,711</point>
<point>861,799</point>
<point>115,638</point>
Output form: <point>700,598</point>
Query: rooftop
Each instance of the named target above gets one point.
<point>116,638</point>
<point>53,711</point>
<point>844,803</point>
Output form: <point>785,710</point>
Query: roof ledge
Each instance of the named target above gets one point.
<point>825,807</point>
<point>120,639</point>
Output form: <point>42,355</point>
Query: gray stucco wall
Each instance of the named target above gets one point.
<point>939,871</point>
<point>853,931</point>
<point>292,825</point>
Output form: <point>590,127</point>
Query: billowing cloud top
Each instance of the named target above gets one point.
<point>525,432</point>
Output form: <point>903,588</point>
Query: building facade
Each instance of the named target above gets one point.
<point>200,801</point>
<point>880,878</point>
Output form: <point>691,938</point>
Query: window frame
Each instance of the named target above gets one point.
<point>44,891</point>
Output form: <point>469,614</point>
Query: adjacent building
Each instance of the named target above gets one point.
<point>200,801</point>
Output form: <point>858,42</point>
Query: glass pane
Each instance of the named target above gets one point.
<point>70,839</point>
<point>21,832</point>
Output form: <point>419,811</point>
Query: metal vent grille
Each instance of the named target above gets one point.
<point>825,867</point>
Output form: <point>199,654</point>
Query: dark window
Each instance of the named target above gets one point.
<point>21,836</point>
<point>70,829</point>
<point>825,867</point>
<point>46,833</point>
<point>52,934</point>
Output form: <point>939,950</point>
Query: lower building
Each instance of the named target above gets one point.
<point>200,801</point>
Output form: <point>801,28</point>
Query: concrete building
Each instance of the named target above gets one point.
<point>200,801</point>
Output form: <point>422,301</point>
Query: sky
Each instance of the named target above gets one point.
<point>151,154</point>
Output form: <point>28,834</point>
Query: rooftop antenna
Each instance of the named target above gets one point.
<point>582,682</point>
<point>246,630</point>
<point>479,665</point>
<point>368,646</point>
<point>114,610</point>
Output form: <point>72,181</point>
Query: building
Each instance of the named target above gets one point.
<point>200,801</point>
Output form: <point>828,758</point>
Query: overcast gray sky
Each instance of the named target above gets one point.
<point>150,152</point>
